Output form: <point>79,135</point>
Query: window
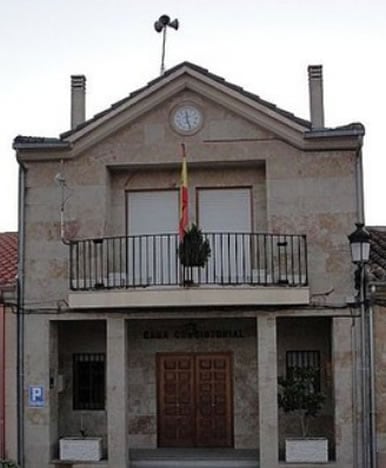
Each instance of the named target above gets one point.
<point>89,381</point>
<point>226,214</point>
<point>225,210</point>
<point>304,360</point>
<point>152,212</point>
<point>152,218</point>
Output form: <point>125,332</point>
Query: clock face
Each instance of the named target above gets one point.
<point>187,119</point>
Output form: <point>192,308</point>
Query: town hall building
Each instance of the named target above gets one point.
<point>132,350</point>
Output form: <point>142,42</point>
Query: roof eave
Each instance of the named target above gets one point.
<point>334,133</point>
<point>60,145</point>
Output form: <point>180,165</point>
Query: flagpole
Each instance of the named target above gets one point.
<point>184,196</point>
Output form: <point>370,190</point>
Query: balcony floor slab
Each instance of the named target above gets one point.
<point>189,297</point>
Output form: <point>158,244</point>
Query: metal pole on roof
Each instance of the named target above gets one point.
<point>160,26</point>
<point>163,52</point>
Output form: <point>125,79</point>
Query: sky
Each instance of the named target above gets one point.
<point>264,46</point>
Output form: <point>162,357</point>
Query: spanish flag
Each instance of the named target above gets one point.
<point>184,214</point>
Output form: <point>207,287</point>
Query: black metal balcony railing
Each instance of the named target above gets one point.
<point>153,260</point>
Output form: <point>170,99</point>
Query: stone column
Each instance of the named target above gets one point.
<point>116,386</point>
<point>343,367</point>
<point>267,385</point>
<point>37,451</point>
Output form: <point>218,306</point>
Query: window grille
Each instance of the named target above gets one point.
<point>304,360</point>
<point>89,381</point>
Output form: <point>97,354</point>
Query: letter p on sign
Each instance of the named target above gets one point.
<point>36,395</point>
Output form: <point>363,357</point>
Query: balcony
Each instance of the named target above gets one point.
<point>152,260</point>
<point>145,271</point>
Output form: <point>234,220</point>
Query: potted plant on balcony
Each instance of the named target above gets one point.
<point>193,251</point>
<point>299,394</point>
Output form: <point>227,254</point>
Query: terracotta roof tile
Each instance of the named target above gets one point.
<point>378,252</point>
<point>8,258</point>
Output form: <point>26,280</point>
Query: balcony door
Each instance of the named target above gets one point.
<point>226,214</point>
<point>152,225</point>
<point>194,400</point>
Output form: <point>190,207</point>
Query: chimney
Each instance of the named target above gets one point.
<point>78,100</point>
<point>315,80</point>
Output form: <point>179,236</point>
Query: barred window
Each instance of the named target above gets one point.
<point>89,381</point>
<point>304,360</point>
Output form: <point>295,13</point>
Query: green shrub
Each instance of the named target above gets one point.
<point>299,394</point>
<point>194,249</point>
<point>8,464</point>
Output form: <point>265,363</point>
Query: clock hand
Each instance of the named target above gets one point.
<point>187,120</point>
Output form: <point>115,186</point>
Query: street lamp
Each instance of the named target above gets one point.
<point>360,245</point>
<point>360,254</point>
<point>161,25</point>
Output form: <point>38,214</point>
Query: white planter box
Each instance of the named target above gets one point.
<point>80,448</point>
<point>313,449</point>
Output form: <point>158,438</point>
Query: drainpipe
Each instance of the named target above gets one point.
<point>2,378</point>
<point>359,182</point>
<point>20,319</point>
<point>365,371</point>
<point>367,333</point>
<point>369,326</point>
<point>363,329</point>
<point>372,402</point>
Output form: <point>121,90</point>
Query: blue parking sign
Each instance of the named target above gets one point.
<point>36,395</point>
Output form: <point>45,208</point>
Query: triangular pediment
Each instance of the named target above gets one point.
<point>183,79</point>
<point>259,116</point>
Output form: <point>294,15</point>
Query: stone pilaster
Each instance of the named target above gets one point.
<point>343,382</point>
<point>267,385</point>
<point>117,392</point>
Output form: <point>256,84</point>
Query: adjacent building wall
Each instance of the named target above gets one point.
<point>380,381</point>
<point>8,381</point>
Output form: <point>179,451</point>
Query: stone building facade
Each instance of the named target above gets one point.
<point>117,346</point>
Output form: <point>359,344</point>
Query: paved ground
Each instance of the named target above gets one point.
<point>193,458</point>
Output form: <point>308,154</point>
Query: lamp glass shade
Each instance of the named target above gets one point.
<point>360,252</point>
<point>360,244</point>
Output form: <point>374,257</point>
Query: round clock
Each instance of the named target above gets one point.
<point>187,119</point>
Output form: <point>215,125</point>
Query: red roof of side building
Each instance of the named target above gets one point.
<point>8,259</point>
<point>378,249</point>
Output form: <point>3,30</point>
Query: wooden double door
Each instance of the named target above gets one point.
<point>195,400</point>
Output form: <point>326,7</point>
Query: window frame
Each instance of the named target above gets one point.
<point>89,381</point>
<point>305,359</point>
